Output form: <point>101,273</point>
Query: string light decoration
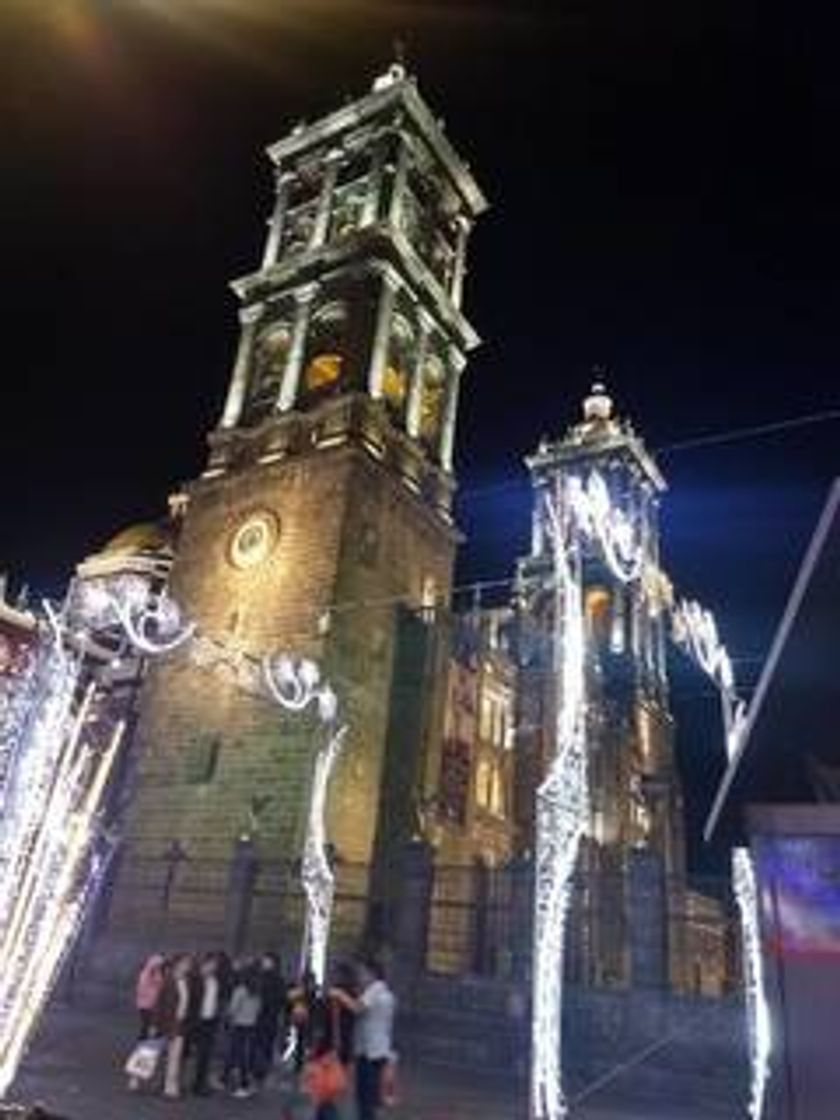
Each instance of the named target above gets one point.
<point>297,686</point>
<point>17,694</point>
<point>694,629</point>
<point>153,624</point>
<point>758,1013</point>
<point>53,847</point>
<point>148,621</point>
<point>579,510</point>
<point>52,842</point>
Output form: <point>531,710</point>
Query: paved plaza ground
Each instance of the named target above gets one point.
<point>75,1069</point>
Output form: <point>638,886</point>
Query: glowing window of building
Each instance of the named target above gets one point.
<point>394,385</point>
<point>484,784</point>
<point>400,359</point>
<point>322,370</point>
<point>324,361</point>
<point>497,795</point>
<point>485,723</point>
<point>431,404</point>
<point>597,609</point>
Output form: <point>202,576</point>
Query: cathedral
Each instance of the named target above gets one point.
<point>322,525</point>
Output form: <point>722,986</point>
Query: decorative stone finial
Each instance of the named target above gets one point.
<point>395,73</point>
<point>598,405</point>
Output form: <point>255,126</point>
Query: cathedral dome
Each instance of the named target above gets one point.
<point>144,537</point>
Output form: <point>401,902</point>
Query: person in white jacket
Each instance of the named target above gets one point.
<point>243,1013</point>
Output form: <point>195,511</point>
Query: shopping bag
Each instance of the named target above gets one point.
<point>324,1079</point>
<point>144,1058</point>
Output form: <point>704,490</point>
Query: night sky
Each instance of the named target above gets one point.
<point>664,181</point>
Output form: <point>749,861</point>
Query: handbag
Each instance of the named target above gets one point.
<point>143,1060</point>
<point>324,1078</point>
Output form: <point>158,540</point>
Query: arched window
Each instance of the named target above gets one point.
<point>484,784</point>
<point>431,404</point>
<point>597,607</point>
<point>271,352</point>
<point>324,362</point>
<point>398,367</point>
<point>347,212</point>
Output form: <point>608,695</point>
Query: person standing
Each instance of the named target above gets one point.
<point>375,1009</point>
<point>172,1020</point>
<point>272,1002</point>
<point>300,1003</point>
<point>209,1011</point>
<point>147,993</point>
<point>243,1013</point>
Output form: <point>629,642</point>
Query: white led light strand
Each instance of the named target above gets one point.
<point>695,630</point>
<point>151,622</point>
<point>295,686</point>
<point>577,511</point>
<point>758,1013</point>
<point>50,837</point>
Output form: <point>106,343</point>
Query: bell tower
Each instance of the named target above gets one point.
<point>634,786</point>
<point>326,499</point>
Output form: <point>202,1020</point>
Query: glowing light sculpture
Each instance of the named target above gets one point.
<point>295,686</point>
<point>51,840</point>
<point>579,511</point>
<point>150,621</point>
<point>758,1012</point>
<point>695,630</point>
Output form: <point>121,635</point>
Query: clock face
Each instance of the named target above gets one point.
<point>254,539</point>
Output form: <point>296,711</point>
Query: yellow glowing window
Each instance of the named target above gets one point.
<point>394,385</point>
<point>598,610</point>
<point>324,369</point>
<point>430,410</point>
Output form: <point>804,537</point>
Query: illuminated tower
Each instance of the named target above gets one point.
<point>635,791</point>
<point>327,495</point>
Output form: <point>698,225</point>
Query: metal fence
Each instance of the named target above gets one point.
<point>627,929</point>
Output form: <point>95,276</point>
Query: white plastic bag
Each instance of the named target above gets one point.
<point>144,1058</point>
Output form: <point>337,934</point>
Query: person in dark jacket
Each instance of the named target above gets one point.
<point>206,1024</point>
<point>272,1003</point>
<point>172,1021</point>
<point>300,1004</point>
<point>342,1019</point>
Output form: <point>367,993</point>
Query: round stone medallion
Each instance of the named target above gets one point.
<point>254,539</point>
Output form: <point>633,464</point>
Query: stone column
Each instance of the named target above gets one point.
<point>411,924</point>
<point>414,407</point>
<point>370,210</point>
<point>244,869</point>
<point>382,332</point>
<point>249,318</point>
<point>450,410</point>
<point>399,184</point>
<point>459,270</point>
<point>325,201</point>
<point>287,396</point>
<point>277,220</point>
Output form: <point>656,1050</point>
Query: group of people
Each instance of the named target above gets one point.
<point>220,1025</point>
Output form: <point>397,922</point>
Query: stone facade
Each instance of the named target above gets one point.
<point>324,512</point>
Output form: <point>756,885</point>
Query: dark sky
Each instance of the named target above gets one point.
<point>664,181</point>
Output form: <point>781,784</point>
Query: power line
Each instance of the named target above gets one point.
<point>736,435</point>
<point>729,435</point>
